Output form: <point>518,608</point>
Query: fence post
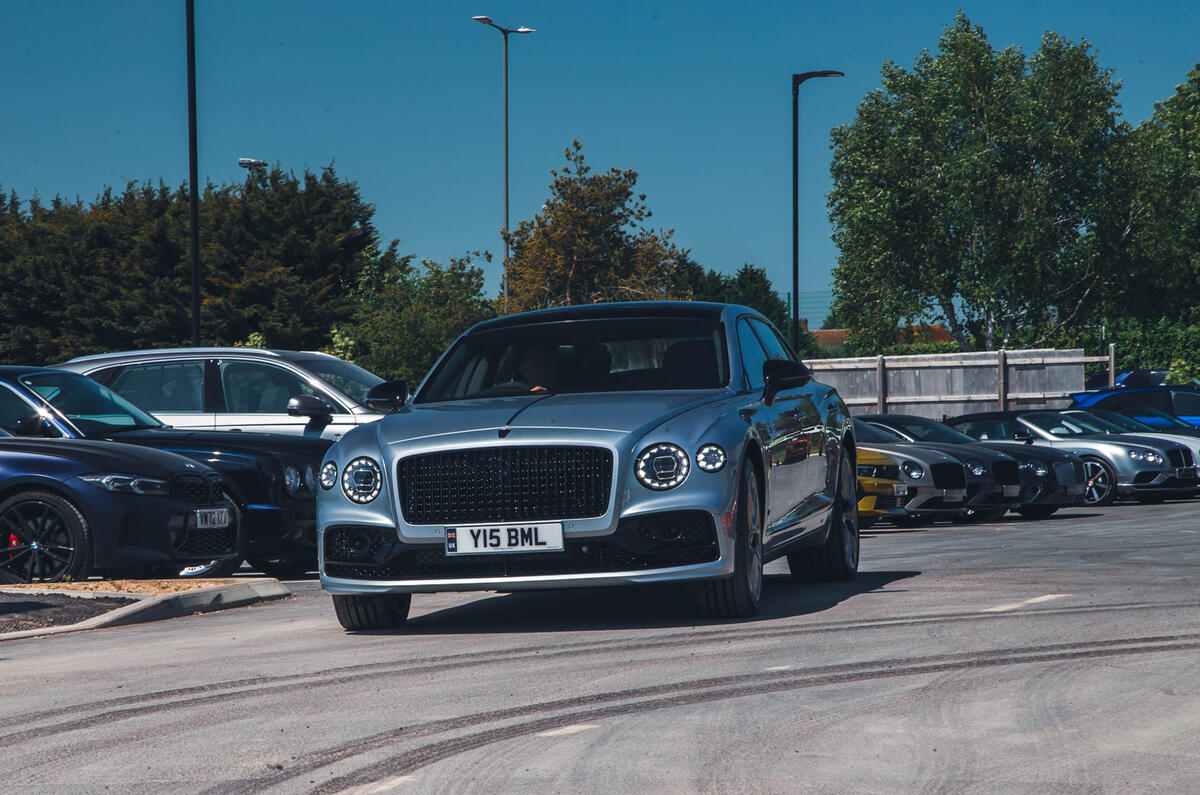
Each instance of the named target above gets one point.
<point>1112,364</point>
<point>880,385</point>
<point>1002,378</point>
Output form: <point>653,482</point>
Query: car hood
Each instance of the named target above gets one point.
<point>1020,450</point>
<point>964,452</point>
<point>622,412</point>
<point>105,457</point>
<point>901,451</point>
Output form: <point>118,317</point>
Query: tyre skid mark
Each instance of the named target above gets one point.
<point>129,707</point>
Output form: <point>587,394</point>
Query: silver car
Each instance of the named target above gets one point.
<point>1146,469</point>
<point>611,444</point>
<point>239,389</point>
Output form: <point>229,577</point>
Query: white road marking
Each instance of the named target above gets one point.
<point>565,730</point>
<point>779,668</point>
<point>1015,605</point>
<point>386,785</point>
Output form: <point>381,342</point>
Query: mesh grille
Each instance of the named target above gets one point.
<point>1007,472</point>
<point>1180,457</point>
<point>949,476</point>
<point>211,542</point>
<point>505,484</point>
<point>195,489</point>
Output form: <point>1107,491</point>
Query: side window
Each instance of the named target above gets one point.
<point>982,429</point>
<point>163,386</point>
<point>753,355</point>
<point>253,388</point>
<point>12,408</point>
<point>770,340</point>
<point>1187,404</point>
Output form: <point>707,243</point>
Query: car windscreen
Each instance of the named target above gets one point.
<point>1094,423</point>
<point>1057,424</point>
<point>573,356</point>
<point>1164,417</point>
<point>352,380</point>
<point>928,430</point>
<point>865,432</point>
<point>1119,422</point>
<point>91,407</point>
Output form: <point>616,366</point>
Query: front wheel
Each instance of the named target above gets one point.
<point>1100,482</point>
<point>837,558</point>
<point>372,611</point>
<point>43,538</point>
<point>739,595</point>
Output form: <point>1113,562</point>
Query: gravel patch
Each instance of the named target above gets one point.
<point>23,611</point>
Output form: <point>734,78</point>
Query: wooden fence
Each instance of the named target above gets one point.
<point>945,384</point>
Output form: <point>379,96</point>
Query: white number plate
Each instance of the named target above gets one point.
<point>541,537</point>
<point>208,518</point>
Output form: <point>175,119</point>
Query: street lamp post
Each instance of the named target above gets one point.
<point>797,79</point>
<point>504,32</point>
<point>194,189</point>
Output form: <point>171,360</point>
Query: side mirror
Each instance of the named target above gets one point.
<point>1025,437</point>
<point>781,374</point>
<point>308,406</point>
<point>33,425</point>
<point>388,397</point>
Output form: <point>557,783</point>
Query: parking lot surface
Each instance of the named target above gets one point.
<point>1059,655</point>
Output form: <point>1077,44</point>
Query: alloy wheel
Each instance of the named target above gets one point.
<point>39,546</point>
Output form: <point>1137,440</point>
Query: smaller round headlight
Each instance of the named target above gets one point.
<point>292,480</point>
<point>711,458</point>
<point>310,477</point>
<point>977,469</point>
<point>662,466</point>
<point>1136,455</point>
<point>1154,458</point>
<point>912,469</point>
<point>362,480</point>
<point>328,475</point>
<point>1039,469</point>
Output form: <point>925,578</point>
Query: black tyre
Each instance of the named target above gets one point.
<point>739,595</point>
<point>837,558</point>
<point>43,538</point>
<point>371,611</point>
<point>1100,482</point>
<point>284,568</point>
<point>1037,511</point>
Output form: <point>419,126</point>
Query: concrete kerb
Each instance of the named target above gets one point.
<point>155,607</point>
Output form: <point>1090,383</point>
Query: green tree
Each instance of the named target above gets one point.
<point>588,244</point>
<point>967,191</point>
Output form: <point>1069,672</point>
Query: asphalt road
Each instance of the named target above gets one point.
<point>1052,656</point>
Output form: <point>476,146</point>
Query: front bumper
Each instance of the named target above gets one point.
<point>673,546</point>
<point>1175,480</point>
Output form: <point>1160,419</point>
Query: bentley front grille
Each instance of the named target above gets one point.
<point>505,484</point>
<point>949,476</point>
<point>1180,457</point>
<point>1007,472</point>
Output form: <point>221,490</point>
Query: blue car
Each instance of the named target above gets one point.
<point>1178,401</point>
<point>72,508</point>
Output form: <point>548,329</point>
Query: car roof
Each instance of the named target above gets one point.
<point>700,310</point>
<point>991,415</point>
<point>147,353</point>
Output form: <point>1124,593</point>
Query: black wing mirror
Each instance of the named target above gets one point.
<point>33,425</point>
<point>308,406</point>
<point>1024,437</point>
<point>388,397</point>
<point>781,374</point>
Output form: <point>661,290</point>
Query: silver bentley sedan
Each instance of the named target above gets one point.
<point>610,444</point>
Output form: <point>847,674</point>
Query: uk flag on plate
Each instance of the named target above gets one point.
<point>451,539</point>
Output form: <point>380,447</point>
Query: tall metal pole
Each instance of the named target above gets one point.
<point>797,79</point>
<point>193,178</point>
<point>505,32</point>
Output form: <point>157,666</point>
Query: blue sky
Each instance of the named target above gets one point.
<point>405,99</point>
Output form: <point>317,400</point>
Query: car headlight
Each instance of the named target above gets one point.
<point>977,469</point>
<point>1039,469</point>
<point>328,475</point>
<point>362,480</point>
<point>1149,456</point>
<point>129,484</point>
<point>711,458</point>
<point>310,477</point>
<point>912,469</point>
<point>1153,458</point>
<point>293,481</point>
<point>662,466</point>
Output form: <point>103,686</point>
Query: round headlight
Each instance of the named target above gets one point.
<point>977,469</point>
<point>292,480</point>
<point>1154,458</point>
<point>1038,468</point>
<point>361,480</point>
<point>310,477</point>
<point>711,458</point>
<point>662,466</point>
<point>328,475</point>
<point>1136,455</point>
<point>912,469</point>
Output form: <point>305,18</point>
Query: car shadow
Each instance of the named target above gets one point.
<point>631,607</point>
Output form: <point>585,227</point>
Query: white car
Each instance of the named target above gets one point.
<point>239,389</point>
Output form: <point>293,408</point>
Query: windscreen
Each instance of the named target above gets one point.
<point>1057,424</point>
<point>1119,423</point>
<point>352,380</point>
<point>1168,419</point>
<point>929,431</point>
<point>91,407</point>
<point>609,355</point>
<point>1094,423</point>
<point>866,432</point>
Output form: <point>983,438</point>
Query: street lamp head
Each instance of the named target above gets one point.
<point>483,20</point>
<point>524,29</point>
<point>250,162</point>
<point>797,79</point>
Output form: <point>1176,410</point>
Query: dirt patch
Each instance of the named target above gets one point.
<point>151,587</point>
<point>20,611</point>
